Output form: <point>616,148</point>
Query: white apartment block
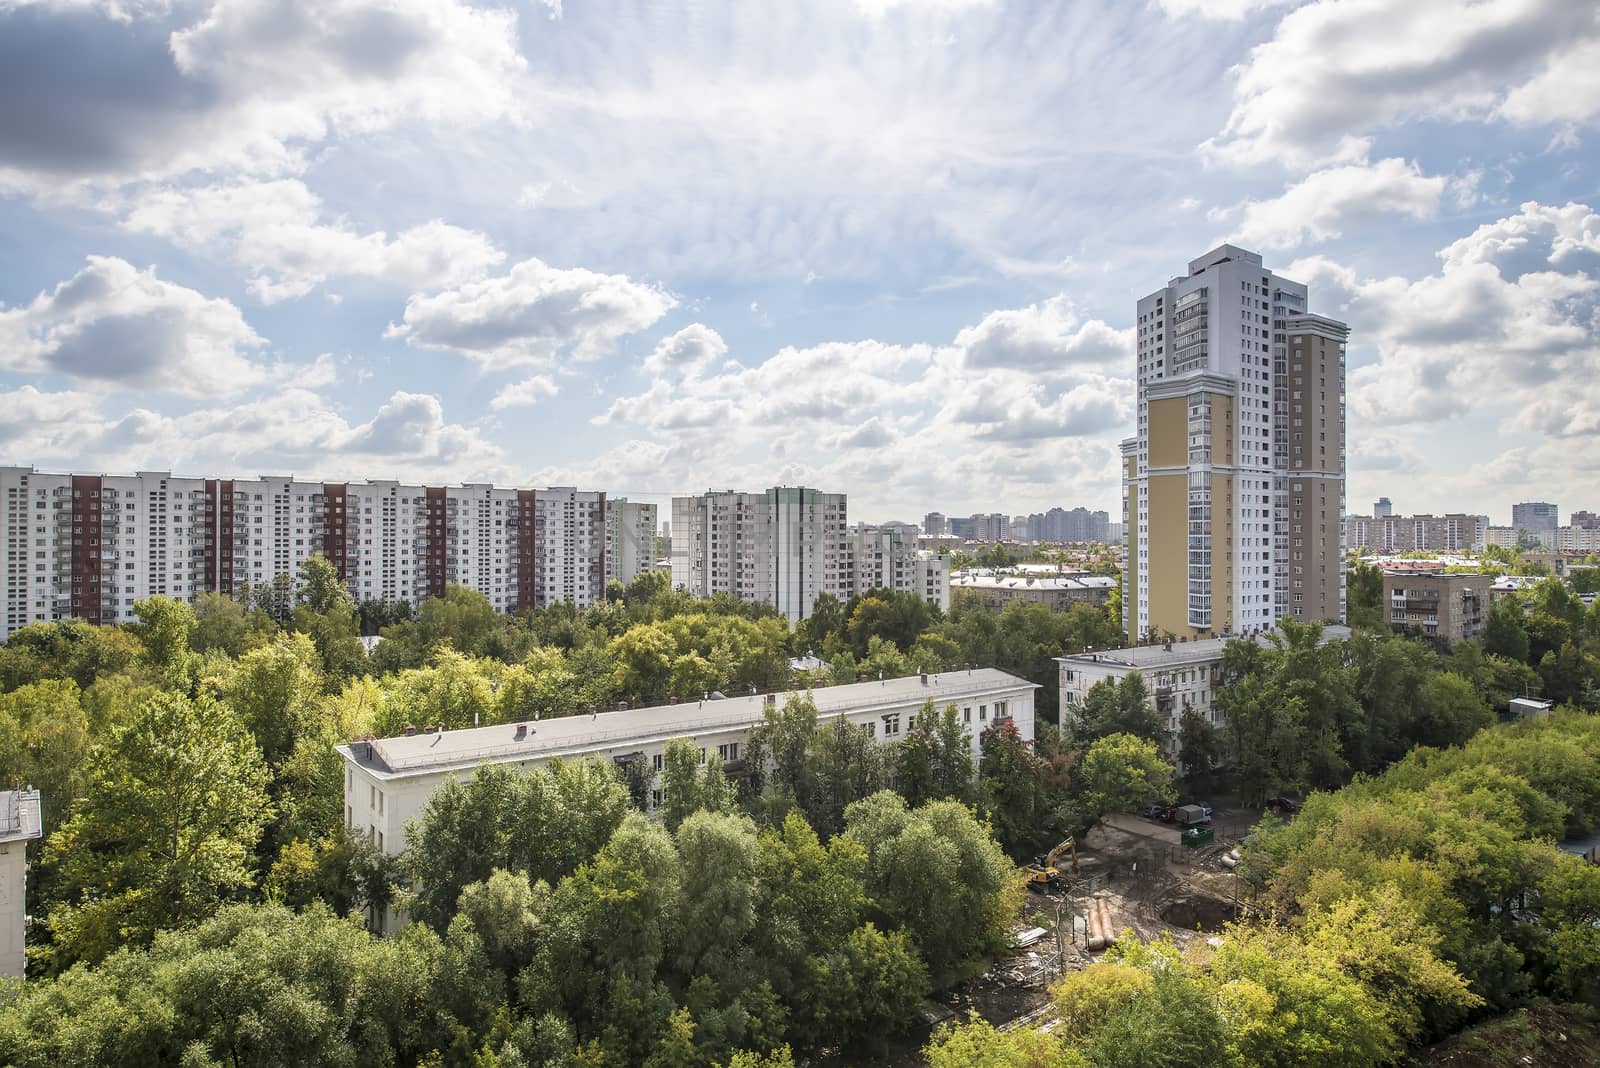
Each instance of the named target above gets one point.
<point>784,547</point>
<point>1236,470</point>
<point>888,557</point>
<point>1456,532</point>
<point>630,539</point>
<point>20,823</point>
<point>1578,539</point>
<point>88,546</point>
<point>1180,676</point>
<point>388,781</point>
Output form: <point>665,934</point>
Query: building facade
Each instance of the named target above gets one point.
<point>784,547</point>
<point>1453,533</point>
<point>1448,607</point>
<point>1576,539</point>
<point>630,539</point>
<point>1056,592</point>
<point>934,524</point>
<point>1234,481</point>
<point>1382,508</point>
<point>1586,520</point>
<point>888,557</point>
<point>20,823</point>
<point>88,546</point>
<point>1538,518</point>
<point>388,781</point>
<point>1180,676</point>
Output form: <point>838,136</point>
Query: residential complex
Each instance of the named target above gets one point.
<point>20,823</point>
<point>387,781</point>
<point>790,545</point>
<point>1057,525</point>
<point>1454,533</point>
<point>1057,592</point>
<point>88,546</point>
<point>784,547</point>
<point>1448,607</point>
<point>1181,675</point>
<point>889,557</point>
<point>1233,484</point>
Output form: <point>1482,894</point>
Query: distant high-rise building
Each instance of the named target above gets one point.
<point>630,539</point>
<point>1382,508</point>
<point>784,547</point>
<point>886,556</point>
<point>1586,520</point>
<point>1234,482</point>
<point>1539,518</point>
<point>934,524</point>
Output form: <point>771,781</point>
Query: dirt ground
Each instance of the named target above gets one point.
<point>1546,1036</point>
<point>1150,884</point>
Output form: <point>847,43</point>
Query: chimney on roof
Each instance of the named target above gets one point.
<point>410,730</point>
<point>924,676</point>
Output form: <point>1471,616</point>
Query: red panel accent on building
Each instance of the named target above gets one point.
<point>208,550</point>
<point>525,549</point>
<point>224,522</point>
<point>334,539</point>
<point>436,531</point>
<point>86,527</point>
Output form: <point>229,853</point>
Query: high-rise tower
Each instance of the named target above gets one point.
<point>1233,486</point>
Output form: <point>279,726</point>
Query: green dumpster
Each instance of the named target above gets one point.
<point>1195,837</point>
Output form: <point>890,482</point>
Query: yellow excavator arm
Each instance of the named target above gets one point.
<point>1069,846</point>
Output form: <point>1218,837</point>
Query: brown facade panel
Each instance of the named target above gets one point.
<point>88,597</point>
<point>335,539</point>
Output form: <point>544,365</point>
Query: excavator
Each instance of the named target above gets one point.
<point>1043,875</point>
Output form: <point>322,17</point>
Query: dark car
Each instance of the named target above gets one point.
<point>1288,806</point>
<point>1157,810</point>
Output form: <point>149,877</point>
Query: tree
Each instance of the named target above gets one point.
<point>936,872</point>
<point>1364,596</point>
<point>1119,772</point>
<point>1200,748</point>
<point>691,780</point>
<point>255,984</point>
<point>934,759</point>
<point>1023,789</point>
<point>164,833</point>
<point>223,623</point>
<point>1119,707</point>
<point>165,627</point>
<point>321,589</point>
<point>543,822</point>
<point>718,900</point>
<point>44,739</point>
<point>1506,632</point>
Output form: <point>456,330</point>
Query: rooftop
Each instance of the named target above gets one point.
<point>427,753</point>
<point>1033,582</point>
<point>1177,654</point>
<point>19,815</point>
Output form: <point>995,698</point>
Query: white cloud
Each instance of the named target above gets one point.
<point>523,394</point>
<point>1042,336</point>
<point>1509,320</point>
<point>1323,204</point>
<point>275,230</point>
<point>880,8</point>
<point>1566,90</point>
<point>532,313</point>
<point>1337,71</point>
<point>1231,10</point>
<point>246,86</point>
<point>692,348</point>
<point>112,323</point>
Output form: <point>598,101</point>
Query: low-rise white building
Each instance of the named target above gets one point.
<point>19,824</point>
<point>388,781</point>
<point>1179,675</point>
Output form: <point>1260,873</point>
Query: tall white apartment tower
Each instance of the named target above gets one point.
<point>784,547</point>
<point>630,539</point>
<point>1240,424</point>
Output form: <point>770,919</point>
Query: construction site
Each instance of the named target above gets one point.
<point>1132,874</point>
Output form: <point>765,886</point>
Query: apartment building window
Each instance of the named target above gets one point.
<point>728,752</point>
<point>891,724</point>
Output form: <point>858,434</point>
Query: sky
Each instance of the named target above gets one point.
<point>885,247</point>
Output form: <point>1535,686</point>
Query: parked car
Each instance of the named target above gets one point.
<point>1288,806</point>
<point>1157,810</point>
<point>1203,804</point>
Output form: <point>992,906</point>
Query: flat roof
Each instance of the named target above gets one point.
<point>427,753</point>
<point>1034,582</point>
<point>1179,653</point>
